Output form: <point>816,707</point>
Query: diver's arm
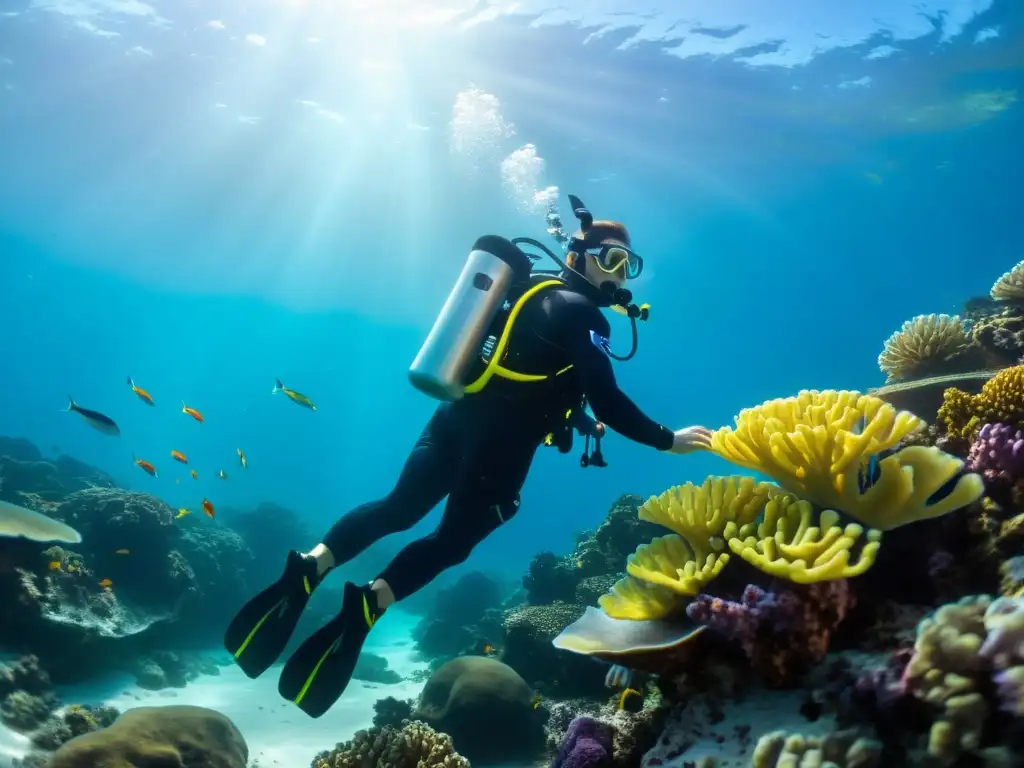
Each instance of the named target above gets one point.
<point>582,331</point>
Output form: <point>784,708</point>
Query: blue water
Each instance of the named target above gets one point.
<point>172,211</point>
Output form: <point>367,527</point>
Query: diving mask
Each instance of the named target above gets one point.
<point>614,258</point>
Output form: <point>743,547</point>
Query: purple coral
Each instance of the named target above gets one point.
<point>587,744</point>
<point>998,454</point>
<point>783,632</point>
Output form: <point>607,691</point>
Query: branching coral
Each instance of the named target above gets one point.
<point>842,749</point>
<point>824,447</point>
<point>922,345</point>
<point>788,544</point>
<point>1010,286</point>
<point>945,670</point>
<point>414,745</point>
<point>1001,400</point>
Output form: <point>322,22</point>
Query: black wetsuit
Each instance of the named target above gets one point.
<point>477,451</point>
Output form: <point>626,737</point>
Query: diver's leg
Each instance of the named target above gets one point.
<point>259,632</point>
<point>486,494</point>
<point>424,481</point>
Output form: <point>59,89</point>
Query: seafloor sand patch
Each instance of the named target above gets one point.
<point>277,732</point>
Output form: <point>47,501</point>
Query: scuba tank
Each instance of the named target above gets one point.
<point>463,336</point>
<point>453,344</point>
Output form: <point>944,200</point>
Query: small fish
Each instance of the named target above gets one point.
<point>181,513</point>
<point>241,458</point>
<point>295,397</point>
<point>222,474</point>
<point>579,563</point>
<point>207,508</point>
<point>94,419</point>
<point>536,701</point>
<point>73,569</point>
<point>106,583</point>
<point>179,456</point>
<point>626,694</point>
<point>195,476</point>
<point>122,552</point>
<point>489,649</point>
<point>144,396</point>
<point>145,466</point>
<point>192,412</point>
<point>55,565</point>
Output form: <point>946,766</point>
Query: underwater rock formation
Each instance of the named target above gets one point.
<point>148,736</point>
<point>157,670</point>
<point>587,744</point>
<point>374,669</point>
<point>485,707</point>
<point>413,745</point>
<point>26,695</point>
<point>464,617</point>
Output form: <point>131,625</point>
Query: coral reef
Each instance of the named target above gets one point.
<point>1000,401</point>
<point>486,708</point>
<point>842,749</point>
<point>587,744</point>
<point>414,745</point>
<point>1010,285</point>
<point>374,669</point>
<point>175,735</point>
<point>925,345</point>
<point>391,711</point>
<point>73,721</point>
<point>26,697</point>
<point>783,633</point>
<point>465,615</point>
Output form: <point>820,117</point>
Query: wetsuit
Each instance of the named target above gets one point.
<point>477,451</point>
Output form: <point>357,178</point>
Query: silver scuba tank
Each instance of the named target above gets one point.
<point>444,360</point>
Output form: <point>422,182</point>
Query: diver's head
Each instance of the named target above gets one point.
<point>602,254</point>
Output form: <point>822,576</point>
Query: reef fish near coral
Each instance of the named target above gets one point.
<point>17,522</point>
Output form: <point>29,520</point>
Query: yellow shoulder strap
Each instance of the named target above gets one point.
<point>499,351</point>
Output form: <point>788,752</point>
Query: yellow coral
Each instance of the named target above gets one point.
<point>788,544</point>
<point>698,513</point>
<point>1001,400</point>
<point>840,749</point>
<point>921,343</point>
<point>821,446</point>
<point>1010,286</point>
<point>672,562</point>
<point>630,598</point>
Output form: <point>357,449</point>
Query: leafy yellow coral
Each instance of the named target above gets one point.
<point>1010,286</point>
<point>922,343</point>
<point>672,562</point>
<point>823,446</point>
<point>631,598</point>
<point>788,544</point>
<point>1001,400</point>
<point>698,514</point>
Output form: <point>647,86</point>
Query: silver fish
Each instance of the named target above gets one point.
<point>94,419</point>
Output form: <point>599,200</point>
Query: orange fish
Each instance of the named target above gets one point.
<point>144,396</point>
<point>121,552</point>
<point>194,475</point>
<point>55,565</point>
<point>146,467</point>
<point>192,412</point>
<point>222,474</point>
<point>489,649</point>
<point>207,508</point>
<point>179,456</point>
<point>241,458</point>
<point>106,583</point>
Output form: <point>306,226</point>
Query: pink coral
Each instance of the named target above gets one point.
<point>998,454</point>
<point>783,632</point>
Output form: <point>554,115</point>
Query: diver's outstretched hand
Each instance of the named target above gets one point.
<point>690,439</point>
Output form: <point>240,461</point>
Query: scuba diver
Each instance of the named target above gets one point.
<point>516,356</point>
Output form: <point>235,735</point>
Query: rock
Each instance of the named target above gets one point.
<point>485,707</point>
<point>147,737</point>
<point>374,669</point>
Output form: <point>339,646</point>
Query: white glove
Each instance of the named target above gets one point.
<point>690,439</point>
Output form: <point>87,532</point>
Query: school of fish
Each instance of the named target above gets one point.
<point>104,424</point>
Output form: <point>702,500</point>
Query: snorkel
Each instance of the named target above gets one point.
<point>607,293</point>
